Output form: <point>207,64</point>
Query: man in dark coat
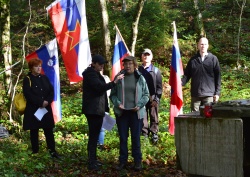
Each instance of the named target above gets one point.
<point>204,71</point>
<point>154,81</point>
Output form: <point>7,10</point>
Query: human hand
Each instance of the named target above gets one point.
<point>215,98</point>
<point>154,103</point>
<point>121,106</point>
<point>135,109</point>
<point>45,103</point>
<point>119,77</point>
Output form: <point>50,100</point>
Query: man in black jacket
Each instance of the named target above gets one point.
<point>154,81</point>
<point>204,71</point>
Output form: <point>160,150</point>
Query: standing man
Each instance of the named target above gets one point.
<point>204,71</point>
<point>154,81</point>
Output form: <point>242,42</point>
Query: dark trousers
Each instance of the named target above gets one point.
<point>130,120</point>
<point>95,124</point>
<point>50,140</point>
<point>153,117</point>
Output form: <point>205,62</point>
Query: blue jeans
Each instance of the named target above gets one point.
<point>101,137</point>
<point>130,120</point>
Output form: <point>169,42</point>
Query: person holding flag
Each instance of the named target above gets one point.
<point>204,71</point>
<point>39,94</point>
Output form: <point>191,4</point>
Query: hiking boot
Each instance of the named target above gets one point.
<point>154,138</point>
<point>137,166</point>
<point>121,166</point>
<point>54,154</point>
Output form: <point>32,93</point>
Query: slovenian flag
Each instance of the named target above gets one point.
<point>50,67</point>
<point>176,71</point>
<point>120,52</point>
<point>70,26</point>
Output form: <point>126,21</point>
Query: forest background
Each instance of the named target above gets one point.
<point>25,26</point>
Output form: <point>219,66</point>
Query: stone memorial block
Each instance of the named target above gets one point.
<point>209,146</point>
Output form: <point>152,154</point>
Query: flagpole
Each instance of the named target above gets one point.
<point>10,67</point>
<point>121,37</point>
<point>175,37</point>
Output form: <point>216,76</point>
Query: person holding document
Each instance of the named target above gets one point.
<point>95,104</point>
<point>39,94</point>
<point>129,98</point>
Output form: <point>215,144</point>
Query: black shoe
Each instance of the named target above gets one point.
<point>93,166</point>
<point>55,155</point>
<point>121,166</point>
<point>155,138</point>
<point>137,166</point>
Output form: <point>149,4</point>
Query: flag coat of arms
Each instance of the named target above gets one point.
<point>120,52</point>
<point>50,67</point>
<point>70,27</point>
<point>176,71</point>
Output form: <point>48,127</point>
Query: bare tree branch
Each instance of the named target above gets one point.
<point>135,25</point>
<point>23,60</point>
<point>239,31</point>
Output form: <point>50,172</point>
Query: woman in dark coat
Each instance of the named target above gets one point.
<point>95,104</point>
<point>38,93</point>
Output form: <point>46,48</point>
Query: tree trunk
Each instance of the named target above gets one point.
<point>106,36</point>
<point>6,45</point>
<point>124,6</point>
<point>199,23</point>
<point>135,25</point>
<point>6,52</point>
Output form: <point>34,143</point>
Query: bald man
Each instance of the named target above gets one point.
<point>204,71</point>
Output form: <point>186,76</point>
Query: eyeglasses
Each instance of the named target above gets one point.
<point>37,66</point>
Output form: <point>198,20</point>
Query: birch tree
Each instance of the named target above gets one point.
<point>7,56</point>
<point>6,44</point>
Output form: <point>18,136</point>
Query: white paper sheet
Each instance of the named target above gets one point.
<point>108,122</point>
<point>40,113</point>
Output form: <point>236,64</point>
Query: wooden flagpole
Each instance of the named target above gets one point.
<point>122,38</point>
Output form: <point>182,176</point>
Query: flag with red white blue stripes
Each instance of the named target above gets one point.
<point>176,71</point>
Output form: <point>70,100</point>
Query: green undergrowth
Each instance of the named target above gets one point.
<point>71,136</point>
